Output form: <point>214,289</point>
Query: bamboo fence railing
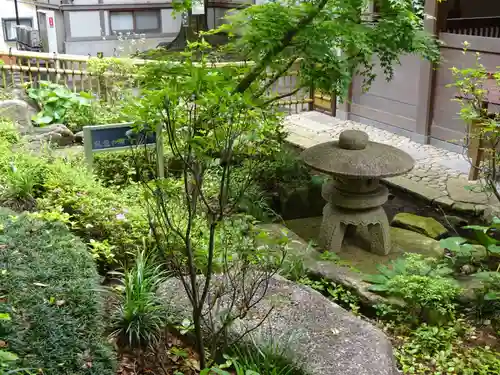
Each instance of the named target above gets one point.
<point>21,67</point>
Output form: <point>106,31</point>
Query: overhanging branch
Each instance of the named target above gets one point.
<point>285,41</point>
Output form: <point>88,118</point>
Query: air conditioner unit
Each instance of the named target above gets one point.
<point>28,36</point>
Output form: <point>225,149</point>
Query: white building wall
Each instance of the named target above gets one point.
<point>85,32</point>
<point>85,2</point>
<point>108,47</point>
<point>55,30</point>
<point>134,1</point>
<point>169,24</point>
<point>7,10</point>
<point>87,24</point>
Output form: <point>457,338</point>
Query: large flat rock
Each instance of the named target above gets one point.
<point>461,190</point>
<point>321,337</point>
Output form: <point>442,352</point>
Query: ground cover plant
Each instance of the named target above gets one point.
<point>432,329</point>
<point>49,291</point>
<point>55,100</point>
<point>60,105</point>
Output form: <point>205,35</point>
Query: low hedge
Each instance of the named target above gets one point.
<point>49,287</point>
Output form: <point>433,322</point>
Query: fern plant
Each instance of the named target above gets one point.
<point>422,284</point>
<point>410,264</point>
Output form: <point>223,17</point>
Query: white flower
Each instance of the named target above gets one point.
<point>120,217</point>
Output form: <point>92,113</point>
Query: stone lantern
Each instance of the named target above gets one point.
<point>354,194</point>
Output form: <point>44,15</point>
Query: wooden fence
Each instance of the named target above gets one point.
<point>21,67</point>
<point>478,26</point>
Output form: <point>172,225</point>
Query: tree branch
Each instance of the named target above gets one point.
<point>277,76</point>
<point>285,41</point>
<point>281,96</point>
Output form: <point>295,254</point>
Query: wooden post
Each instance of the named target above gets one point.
<point>475,149</point>
<point>345,106</point>
<point>159,151</point>
<point>333,99</point>
<point>311,96</point>
<point>427,74</point>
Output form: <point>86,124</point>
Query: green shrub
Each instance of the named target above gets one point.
<point>281,166</point>
<point>8,132</point>
<point>21,174</point>
<point>430,299</point>
<point>50,286</point>
<point>486,303</point>
<point>96,113</point>
<point>114,220</point>
<point>126,167</point>
<point>423,285</point>
<point>140,317</point>
<point>254,359</point>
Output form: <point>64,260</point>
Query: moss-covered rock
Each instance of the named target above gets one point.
<point>424,225</point>
<point>407,241</point>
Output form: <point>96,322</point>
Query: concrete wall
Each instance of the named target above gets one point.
<point>7,10</point>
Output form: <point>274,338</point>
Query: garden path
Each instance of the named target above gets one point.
<point>439,175</point>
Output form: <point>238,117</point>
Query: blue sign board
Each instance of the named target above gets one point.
<point>115,137</point>
<point>123,136</point>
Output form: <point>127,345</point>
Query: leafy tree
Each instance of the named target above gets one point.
<point>333,40</point>
<point>199,232</point>
<point>212,113</point>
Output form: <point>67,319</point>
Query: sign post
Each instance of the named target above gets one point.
<point>117,137</point>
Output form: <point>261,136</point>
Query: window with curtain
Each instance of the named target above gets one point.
<point>9,27</point>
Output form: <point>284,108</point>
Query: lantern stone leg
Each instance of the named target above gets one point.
<point>332,230</point>
<point>374,221</point>
<point>380,239</point>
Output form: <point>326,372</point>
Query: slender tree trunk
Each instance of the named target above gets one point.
<point>200,344</point>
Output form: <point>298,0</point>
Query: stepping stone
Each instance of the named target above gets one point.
<point>458,191</point>
<point>404,240</point>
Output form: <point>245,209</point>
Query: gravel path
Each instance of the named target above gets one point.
<point>433,166</point>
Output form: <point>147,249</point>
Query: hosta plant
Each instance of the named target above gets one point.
<point>55,100</point>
